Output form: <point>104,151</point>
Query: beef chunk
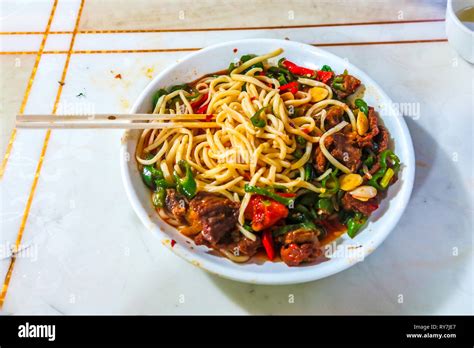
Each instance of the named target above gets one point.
<point>200,240</point>
<point>319,160</point>
<point>298,236</point>
<point>344,147</point>
<point>349,85</point>
<point>176,204</point>
<point>216,214</point>
<point>350,203</point>
<point>294,254</point>
<point>234,243</point>
<point>377,138</point>
<point>334,116</point>
<point>368,139</point>
<point>244,246</point>
<point>382,139</point>
<point>299,246</point>
<point>346,150</point>
<point>249,247</point>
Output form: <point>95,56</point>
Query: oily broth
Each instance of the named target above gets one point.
<point>466,16</point>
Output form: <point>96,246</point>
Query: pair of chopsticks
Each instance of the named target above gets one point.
<point>114,121</point>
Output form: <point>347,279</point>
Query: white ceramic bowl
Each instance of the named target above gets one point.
<point>216,58</point>
<point>459,35</point>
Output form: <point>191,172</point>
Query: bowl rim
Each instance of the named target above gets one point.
<point>337,265</point>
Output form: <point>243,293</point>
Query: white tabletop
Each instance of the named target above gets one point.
<point>83,249</point>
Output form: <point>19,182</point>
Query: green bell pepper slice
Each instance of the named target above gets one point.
<point>355,223</point>
<point>374,181</point>
<point>187,185</point>
<point>288,201</point>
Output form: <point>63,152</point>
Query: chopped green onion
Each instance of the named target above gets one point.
<point>387,177</point>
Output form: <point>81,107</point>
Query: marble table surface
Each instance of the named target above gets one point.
<point>82,249</point>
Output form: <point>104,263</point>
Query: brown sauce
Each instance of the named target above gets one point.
<point>334,229</point>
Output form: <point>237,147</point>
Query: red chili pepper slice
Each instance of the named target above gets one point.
<point>267,241</point>
<point>198,103</point>
<point>292,87</point>
<point>264,212</point>
<point>202,109</point>
<point>287,194</point>
<point>324,76</point>
<point>297,70</point>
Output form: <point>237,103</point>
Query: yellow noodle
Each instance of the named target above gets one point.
<point>236,152</point>
<point>256,60</point>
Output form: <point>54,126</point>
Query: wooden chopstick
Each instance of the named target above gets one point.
<point>113,121</point>
<point>107,117</point>
<point>114,125</point>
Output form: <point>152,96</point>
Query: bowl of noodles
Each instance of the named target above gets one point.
<point>268,161</point>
